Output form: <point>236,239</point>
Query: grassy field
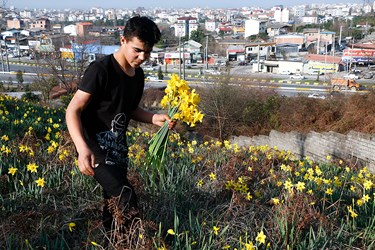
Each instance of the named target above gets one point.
<point>207,195</point>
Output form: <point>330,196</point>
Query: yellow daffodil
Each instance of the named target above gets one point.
<point>200,183</point>
<point>329,191</point>
<point>171,232</point>
<point>249,196</point>
<point>216,229</point>
<point>32,167</point>
<point>12,170</point>
<point>353,214</point>
<point>275,201</point>
<point>366,198</point>
<point>40,182</point>
<point>300,186</point>
<point>250,246</point>
<point>212,176</point>
<point>261,238</point>
<point>71,225</point>
<point>367,184</point>
<point>5,138</point>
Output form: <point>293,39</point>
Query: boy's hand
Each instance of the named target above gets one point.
<point>86,161</point>
<point>159,120</point>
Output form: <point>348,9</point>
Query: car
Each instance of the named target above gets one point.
<point>150,68</point>
<point>212,72</point>
<point>316,72</point>
<point>368,75</point>
<point>153,79</point>
<point>351,76</point>
<point>285,72</point>
<point>297,76</point>
<point>316,96</point>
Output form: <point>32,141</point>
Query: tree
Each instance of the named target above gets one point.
<point>19,77</point>
<point>221,109</point>
<point>198,36</point>
<point>54,68</point>
<point>44,85</point>
<point>160,74</point>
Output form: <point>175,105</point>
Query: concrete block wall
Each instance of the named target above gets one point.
<point>354,146</point>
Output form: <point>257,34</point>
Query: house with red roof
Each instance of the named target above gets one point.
<point>323,64</point>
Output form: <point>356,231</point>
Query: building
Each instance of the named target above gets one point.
<point>318,39</point>
<point>70,29</point>
<point>359,54</point>
<point>309,19</point>
<point>83,29</point>
<point>281,15</point>
<point>210,25</point>
<point>324,64</point>
<point>185,25</point>
<point>296,39</point>
<point>40,24</point>
<point>236,53</point>
<point>253,51</point>
<point>299,11</point>
<point>15,23</point>
<point>276,29</point>
<point>254,27</point>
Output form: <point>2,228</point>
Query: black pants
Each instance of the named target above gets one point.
<point>113,179</point>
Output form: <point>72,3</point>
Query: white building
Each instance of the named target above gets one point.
<point>70,29</point>
<point>185,25</point>
<point>25,14</point>
<point>310,19</point>
<point>254,27</point>
<point>281,15</point>
<point>210,25</point>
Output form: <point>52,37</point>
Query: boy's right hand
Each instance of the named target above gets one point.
<point>86,161</point>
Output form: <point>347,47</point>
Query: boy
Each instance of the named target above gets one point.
<point>98,114</point>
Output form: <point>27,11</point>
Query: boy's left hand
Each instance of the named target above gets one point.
<point>159,119</point>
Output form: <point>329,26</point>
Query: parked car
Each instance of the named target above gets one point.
<point>153,79</point>
<point>212,72</point>
<point>316,96</point>
<point>351,76</point>
<point>297,76</point>
<point>367,75</point>
<point>316,72</point>
<point>285,72</point>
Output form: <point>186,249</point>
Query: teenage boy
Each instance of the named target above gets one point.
<point>98,115</point>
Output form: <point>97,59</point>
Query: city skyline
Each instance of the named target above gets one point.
<point>20,4</point>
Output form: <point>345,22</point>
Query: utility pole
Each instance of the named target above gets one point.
<point>179,59</point>
<point>2,59</point>
<point>258,56</point>
<point>206,55</point>
<point>183,56</point>
<point>318,43</point>
<point>6,51</point>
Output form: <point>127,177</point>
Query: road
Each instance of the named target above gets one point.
<point>239,75</point>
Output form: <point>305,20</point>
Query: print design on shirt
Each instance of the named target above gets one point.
<point>113,141</point>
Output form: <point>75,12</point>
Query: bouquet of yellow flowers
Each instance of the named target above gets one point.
<point>182,104</point>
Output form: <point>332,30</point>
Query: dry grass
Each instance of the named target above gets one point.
<point>261,112</point>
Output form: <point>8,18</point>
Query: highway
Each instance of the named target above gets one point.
<point>239,75</point>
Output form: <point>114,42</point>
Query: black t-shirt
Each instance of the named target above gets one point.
<point>105,119</point>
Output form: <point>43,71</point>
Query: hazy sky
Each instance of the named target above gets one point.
<point>86,4</point>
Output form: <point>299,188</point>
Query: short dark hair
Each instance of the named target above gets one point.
<point>144,29</point>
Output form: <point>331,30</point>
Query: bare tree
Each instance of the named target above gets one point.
<point>53,68</point>
<point>222,105</point>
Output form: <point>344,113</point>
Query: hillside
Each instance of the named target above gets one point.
<point>238,111</point>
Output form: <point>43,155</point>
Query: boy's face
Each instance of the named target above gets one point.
<point>135,51</point>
